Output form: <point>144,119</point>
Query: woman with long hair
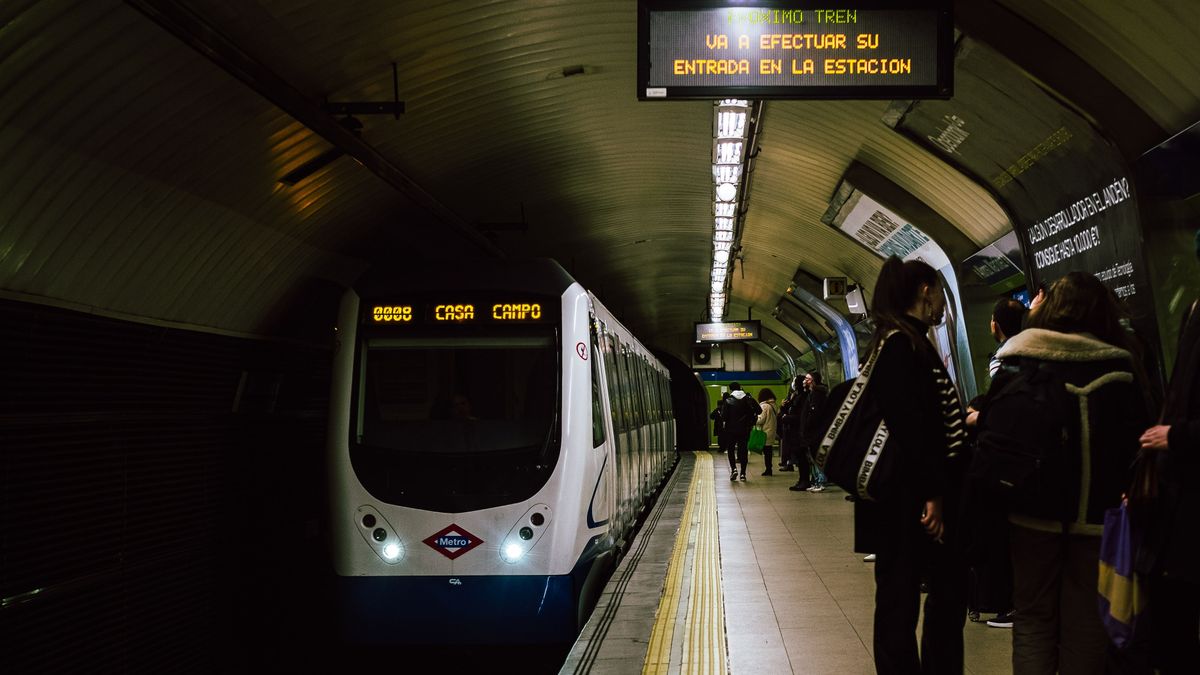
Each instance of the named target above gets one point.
<point>768,421</point>
<point>912,532</point>
<point>1074,400</point>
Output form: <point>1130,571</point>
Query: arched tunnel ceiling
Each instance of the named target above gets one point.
<point>140,178</point>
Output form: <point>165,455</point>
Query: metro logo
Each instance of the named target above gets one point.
<point>452,541</point>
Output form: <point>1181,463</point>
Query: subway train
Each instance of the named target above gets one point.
<point>492,440</point>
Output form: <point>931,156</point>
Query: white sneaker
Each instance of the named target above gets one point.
<point>869,558</point>
<point>817,488</point>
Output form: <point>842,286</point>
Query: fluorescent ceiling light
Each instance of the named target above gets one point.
<point>728,152</point>
<point>723,210</point>
<point>722,236</point>
<point>724,224</point>
<point>721,257</point>
<point>718,286</point>
<point>727,173</point>
<point>731,124</point>
<point>726,192</point>
<point>722,245</point>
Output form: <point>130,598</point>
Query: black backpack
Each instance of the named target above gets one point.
<point>1027,452</point>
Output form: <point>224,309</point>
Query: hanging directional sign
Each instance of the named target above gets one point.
<point>729,331</point>
<point>800,49</point>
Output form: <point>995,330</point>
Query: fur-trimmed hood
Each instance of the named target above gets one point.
<point>1049,345</point>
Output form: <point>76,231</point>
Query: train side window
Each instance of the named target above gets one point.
<point>597,399</point>
<point>616,406</point>
<point>635,389</point>
<point>668,405</point>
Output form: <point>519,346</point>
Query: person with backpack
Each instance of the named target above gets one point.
<point>738,412</point>
<point>1057,435</point>
<point>912,531</point>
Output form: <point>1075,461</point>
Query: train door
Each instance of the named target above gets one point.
<point>602,434</point>
<point>617,406</point>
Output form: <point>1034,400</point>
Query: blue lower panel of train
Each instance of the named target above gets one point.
<point>458,610</point>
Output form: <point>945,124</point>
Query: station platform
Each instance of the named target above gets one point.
<point>733,577</point>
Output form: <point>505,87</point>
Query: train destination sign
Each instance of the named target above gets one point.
<point>707,50</point>
<point>729,331</point>
<point>458,311</point>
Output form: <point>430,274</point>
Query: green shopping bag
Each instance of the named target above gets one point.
<point>757,440</point>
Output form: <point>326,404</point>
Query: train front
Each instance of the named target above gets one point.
<point>444,437</point>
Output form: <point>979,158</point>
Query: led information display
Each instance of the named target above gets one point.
<point>730,331</point>
<point>793,50</point>
<point>459,311</point>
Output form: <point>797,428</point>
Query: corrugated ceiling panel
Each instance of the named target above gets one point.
<point>169,165</point>
<point>1147,49</point>
<point>141,178</point>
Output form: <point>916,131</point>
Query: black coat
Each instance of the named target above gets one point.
<point>810,415</point>
<point>789,418</point>
<point>738,416</point>
<point>1171,545</point>
<point>905,384</point>
<point>1088,465</point>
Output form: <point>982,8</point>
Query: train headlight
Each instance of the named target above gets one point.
<point>392,551</point>
<point>513,552</point>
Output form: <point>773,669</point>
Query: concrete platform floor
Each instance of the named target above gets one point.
<point>796,598</point>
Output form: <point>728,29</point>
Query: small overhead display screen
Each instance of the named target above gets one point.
<point>459,311</point>
<point>729,331</point>
<point>708,50</point>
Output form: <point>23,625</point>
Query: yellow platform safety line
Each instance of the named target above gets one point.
<point>704,626</point>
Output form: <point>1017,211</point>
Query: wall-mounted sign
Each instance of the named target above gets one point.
<point>773,49</point>
<point>880,229</point>
<point>1065,187</point>
<point>729,331</point>
<point>999,263</point>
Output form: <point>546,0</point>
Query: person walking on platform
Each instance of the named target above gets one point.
<point>767,421</point>
<point>1170,555</point>
<point>1073,406</point>
<point>738,413</point>
<point>915,531</point>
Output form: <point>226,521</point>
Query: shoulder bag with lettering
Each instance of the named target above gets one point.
<point>855,453</point>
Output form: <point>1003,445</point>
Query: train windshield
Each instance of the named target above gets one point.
<point>457,423</point>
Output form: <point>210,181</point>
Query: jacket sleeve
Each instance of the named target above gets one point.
<point>902,385</point>
<point>762,414</point>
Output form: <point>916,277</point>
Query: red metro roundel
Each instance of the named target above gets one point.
<point>453,541</point>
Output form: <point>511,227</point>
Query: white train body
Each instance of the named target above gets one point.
<point>493,517</point>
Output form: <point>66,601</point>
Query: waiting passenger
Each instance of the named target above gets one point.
<point>810,426</point>
<point>1170,555</point>
<point>789,417</point>
<point>1073,356</point>
<point>738,412</point>
<point>1007,318</point>
<point>767,421</point>
<point>915,531</point>
<point>988,551</point>
<point>719,426</point>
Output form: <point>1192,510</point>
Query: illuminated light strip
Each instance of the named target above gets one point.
<point>704,624</point>
<point>704,644</point>
<point>658,652</point>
